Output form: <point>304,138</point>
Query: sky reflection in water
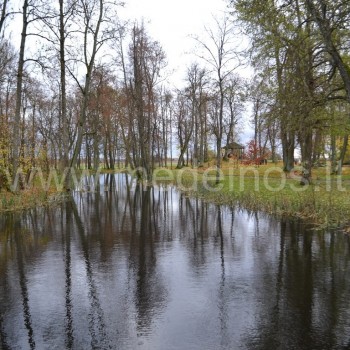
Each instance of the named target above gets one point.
<point>135,268</point>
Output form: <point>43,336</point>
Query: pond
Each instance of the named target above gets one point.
<point>128,267</point>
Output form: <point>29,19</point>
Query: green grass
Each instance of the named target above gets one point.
<point>325,203</point>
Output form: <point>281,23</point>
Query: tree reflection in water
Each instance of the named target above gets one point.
<point>68,279</point>
<point>20,247</point>
<point>132,267</point>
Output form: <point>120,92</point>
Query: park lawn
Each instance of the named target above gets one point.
<point>324,203</point>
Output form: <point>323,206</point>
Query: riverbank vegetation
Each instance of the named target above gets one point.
<point>323,203</point>
<point>83,87</point>
<point>29,198</point>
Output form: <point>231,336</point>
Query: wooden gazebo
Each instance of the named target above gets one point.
<point>233,150</point>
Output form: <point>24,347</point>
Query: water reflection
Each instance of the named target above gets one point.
<point>132,267</point>
<point>68,276</point>
<point>18,237</point>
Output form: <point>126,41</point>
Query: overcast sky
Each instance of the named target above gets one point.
<point>172,22</point>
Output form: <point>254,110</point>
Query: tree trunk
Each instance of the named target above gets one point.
<point>288,145</point>
<point>306,156</point>
<point>16,138</point>
<point>63,107</point>
<point>333,154</point>
<point>96,160</point>
<point>86,91</point>
<point>3,15</point>
<point>220,126</point>
<point>328,35</point>
<point>342,154</point>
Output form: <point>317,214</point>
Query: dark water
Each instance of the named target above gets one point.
<point>128,268</point>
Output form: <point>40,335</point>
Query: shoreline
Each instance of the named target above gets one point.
<point>325,203</point>
<point>28,199</point>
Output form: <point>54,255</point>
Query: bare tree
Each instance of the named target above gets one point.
<point>4,15</point>
<point>58,21</point>
<point>184,125</point>
<point>147,60</point>
<point>234,98</point>
<point>96,19</point>
<point>221,55</point>
<point>16,132</point>
<point>196,94</point>
<point>165,98</point>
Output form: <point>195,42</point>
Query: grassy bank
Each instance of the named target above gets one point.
<point>29,198</point>
<point>41,189</point>
<point>325,203</point>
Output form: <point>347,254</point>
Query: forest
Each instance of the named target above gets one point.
<point>94,91</point>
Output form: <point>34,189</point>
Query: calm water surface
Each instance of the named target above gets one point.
<point>130,268</point>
